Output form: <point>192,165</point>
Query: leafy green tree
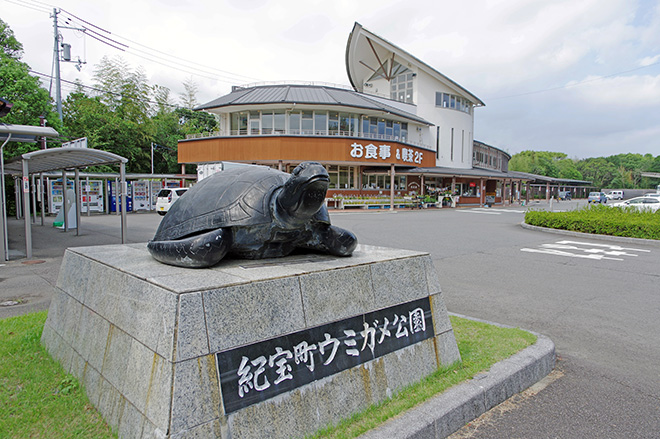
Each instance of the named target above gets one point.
<point>597,170</point>
<point>29,99</point>
<point>549,164</point>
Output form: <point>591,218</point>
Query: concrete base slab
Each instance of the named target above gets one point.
<point>147,340</point>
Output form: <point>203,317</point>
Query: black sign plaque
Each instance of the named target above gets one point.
<point>254,373</point>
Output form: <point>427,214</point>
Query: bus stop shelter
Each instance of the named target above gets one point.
<point>62,159</point>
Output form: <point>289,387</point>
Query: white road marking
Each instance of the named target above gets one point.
<point>585,250</point>
<point>490,211</point>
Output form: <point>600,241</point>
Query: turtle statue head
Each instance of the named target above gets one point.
<point>304,193</point>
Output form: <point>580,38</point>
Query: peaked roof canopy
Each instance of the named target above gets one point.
<point>368,55</point>
<point>304,95</point>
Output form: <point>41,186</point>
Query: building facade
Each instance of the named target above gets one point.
<point>401,129</point>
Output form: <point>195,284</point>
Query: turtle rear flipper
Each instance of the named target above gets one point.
<point>199,251</point>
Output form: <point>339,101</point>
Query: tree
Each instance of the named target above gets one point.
<point>189,97</point>
<point>549,164</point>
<point>597,170</point>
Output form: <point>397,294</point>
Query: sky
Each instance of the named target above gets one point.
<point>581,77</point>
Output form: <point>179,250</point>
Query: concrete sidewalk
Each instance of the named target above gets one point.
<point>26,284</point>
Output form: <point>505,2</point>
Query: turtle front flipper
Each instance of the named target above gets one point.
<point>198,251</point>
<point>332,240</point>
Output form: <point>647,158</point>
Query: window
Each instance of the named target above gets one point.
<point>279,119</point>
<point>307,122</point>
<point>341,177</point>
<point>320,123</point>
<point>401,87</point>
<point>266,122</point>
<point>333,124</point>
<point>446,100</point>
<point>294,122</point>
<point>239,123</point>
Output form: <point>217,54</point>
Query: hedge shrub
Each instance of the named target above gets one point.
<point>601,220</point>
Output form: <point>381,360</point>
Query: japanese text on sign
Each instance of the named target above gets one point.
<point>254,373</point>
<point>384,152</point>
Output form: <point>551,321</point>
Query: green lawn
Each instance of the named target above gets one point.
<point>481,345</point>
<point>39,400</point>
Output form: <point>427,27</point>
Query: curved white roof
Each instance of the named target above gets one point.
<point>367,54</point>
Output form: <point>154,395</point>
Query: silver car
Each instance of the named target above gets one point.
<point>597,197</point>
<point>648,204</point>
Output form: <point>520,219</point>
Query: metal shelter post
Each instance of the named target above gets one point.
<point>124,202</point>
<point>64,200</point>
<point>42,198</point>
<point>4,245</point>
<point>89,197</point>
<point>26,208</point>
<point>77,191</point>
<point>34,199</point>
<point>392,186</point>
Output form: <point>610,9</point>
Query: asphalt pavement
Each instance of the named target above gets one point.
<point>597,300</point>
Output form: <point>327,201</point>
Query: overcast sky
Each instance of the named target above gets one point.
<point>575,76</point>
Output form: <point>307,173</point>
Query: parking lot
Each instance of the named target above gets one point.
<point>597,300</point>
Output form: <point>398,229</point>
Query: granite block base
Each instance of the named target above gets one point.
<point>145,338</point>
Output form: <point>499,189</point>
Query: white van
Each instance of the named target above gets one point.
<point>166,197</point>
<point>615,195</point>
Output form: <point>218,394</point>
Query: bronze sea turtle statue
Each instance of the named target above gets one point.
<point>253,213</point>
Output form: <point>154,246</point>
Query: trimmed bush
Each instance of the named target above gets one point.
<point>601,220</point>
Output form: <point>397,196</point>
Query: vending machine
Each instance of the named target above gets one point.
<point>55,196</point>
<point>156,186</point>
<point>113,195</point>
<point>92,196</point>
<point>140,195</point>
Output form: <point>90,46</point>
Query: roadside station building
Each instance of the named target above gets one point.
<point>402,128</point>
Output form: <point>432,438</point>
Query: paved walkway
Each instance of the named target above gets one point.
<point>26,284</point>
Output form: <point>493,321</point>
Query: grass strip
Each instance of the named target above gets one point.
<point>38,399</point>
<point>481,345</point>
<point>601,220</point>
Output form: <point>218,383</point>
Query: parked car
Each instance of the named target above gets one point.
<point>565,195</point>
<point>614,195</point>
<point>651,204</point>
<point>597,197</point>
<point>166,197</point>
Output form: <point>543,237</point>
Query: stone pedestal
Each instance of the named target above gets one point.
<point>147,340</point>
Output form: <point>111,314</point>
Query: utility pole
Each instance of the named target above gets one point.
<point>56,55</point>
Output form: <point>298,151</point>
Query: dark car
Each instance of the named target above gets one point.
<point>565,195</point>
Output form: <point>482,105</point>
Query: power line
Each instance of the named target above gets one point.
<point>75,85</point>
<point>575,84</point>
<point>209,72</point>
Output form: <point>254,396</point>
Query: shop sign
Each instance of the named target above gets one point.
<point>384,152</point>
<point>473,184</point>
<point>260,371</point>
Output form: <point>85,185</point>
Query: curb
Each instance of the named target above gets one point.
<point>610,238</point>
<point>446,413</point>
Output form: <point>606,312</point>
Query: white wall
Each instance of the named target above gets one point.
<point>446,119</point>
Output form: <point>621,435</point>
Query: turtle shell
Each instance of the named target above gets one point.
<point>235,197</point>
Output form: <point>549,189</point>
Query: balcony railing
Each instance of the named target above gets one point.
<point>309,133</point>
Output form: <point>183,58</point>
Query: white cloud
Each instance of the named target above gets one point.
<point>622,92</point>
<point>494,48</point>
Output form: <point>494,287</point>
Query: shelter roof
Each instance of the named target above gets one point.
<point>61,158</point>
